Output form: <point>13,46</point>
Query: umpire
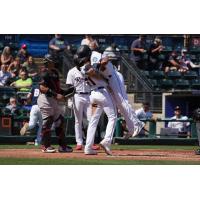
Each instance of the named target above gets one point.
<point>50,94</point>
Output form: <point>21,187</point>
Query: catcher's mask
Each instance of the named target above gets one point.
<point>82,55</point>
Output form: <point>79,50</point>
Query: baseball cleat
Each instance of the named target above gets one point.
<point>24,129</point>
<point>106,147</point>
<point>79,147</point>
<point>48,150</point>
<point>90,152</point>
<point>66,149</point>
<point>95,147</point>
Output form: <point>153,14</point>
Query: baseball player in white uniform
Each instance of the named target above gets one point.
<point>108,71</point>
<point>101,100</point>
<point>81,102</point>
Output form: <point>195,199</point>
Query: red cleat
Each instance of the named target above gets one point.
<point>95,147</point>
<point>79,147</point>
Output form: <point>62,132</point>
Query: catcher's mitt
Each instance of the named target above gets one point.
<point>69,92</point>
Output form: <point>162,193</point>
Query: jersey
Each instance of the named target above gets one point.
<point>78,80</point>
<point>35,94</point>
<point>51,80</point>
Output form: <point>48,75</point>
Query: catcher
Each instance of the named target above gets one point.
<point>50,94</point>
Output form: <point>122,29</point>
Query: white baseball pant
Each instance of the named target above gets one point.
<point>81,107</point>
<point>122,102</point>
<point>104,102</point>
<point>36,119</point>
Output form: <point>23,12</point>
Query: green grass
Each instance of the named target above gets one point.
<point>116,147</point>
<point>59,161</point>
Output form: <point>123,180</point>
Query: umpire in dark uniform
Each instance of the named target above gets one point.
<point>50,94</point>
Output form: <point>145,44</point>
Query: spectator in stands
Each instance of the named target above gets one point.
<point>89,41</point>
<point>172,63</point>
<point>23,53</point>
<point>6,56</point>
<point>184,61</point>
<point>137,51</point>
<point>57,46</point>
<point>24,83</point>
<point>31,67</point>
<point>153,55</point>
<point>144,113</point>
<point>183,127</point>
<point>5,76</point>
<point>14,67</point>
<point>12,106</point>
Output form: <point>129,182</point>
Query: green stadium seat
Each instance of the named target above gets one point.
<point>196,84</point>
<point>174,75</point>
<point>157,74</point>
<point>146,73</point>
<point>190,75</point>
<point>166,84</point>
<point>155,84</point>
<point>182,84</point>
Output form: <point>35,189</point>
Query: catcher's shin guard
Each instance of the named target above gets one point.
<point>46,132</point>
<point>59,129</point>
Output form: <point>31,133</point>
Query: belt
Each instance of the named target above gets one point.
<point>82,92</point>
<point>98,88</point>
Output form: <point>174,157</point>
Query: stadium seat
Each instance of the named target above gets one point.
<point>182,84</point>
<point>174,75</point>
<point>155,84</point>
<point>146,73</point>
<point>157,74</point>
<point>195,84</point>
<point>190,75</point>
<point>166,84</point>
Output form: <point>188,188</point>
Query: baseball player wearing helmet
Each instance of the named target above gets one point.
<point>50,93</point>
<point>81,101</point>
<point>107,70</point>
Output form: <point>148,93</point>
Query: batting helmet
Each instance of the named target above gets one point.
<point>82,55</point>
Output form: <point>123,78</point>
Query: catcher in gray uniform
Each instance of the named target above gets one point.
<point>50,94</point>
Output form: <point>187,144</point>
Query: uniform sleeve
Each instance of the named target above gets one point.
<point>52,42</point>
<point>70,79</point>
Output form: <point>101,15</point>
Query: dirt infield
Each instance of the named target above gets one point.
<point>141,154</point>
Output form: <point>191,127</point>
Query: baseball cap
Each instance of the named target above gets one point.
<point>177,108</point>
<point>24,46</point>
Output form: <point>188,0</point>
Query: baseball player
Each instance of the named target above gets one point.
<point>100,99</point>
<point>108,71</point>
<point>50,93</point>
<point>35,115</point>
<point>81,101</point>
